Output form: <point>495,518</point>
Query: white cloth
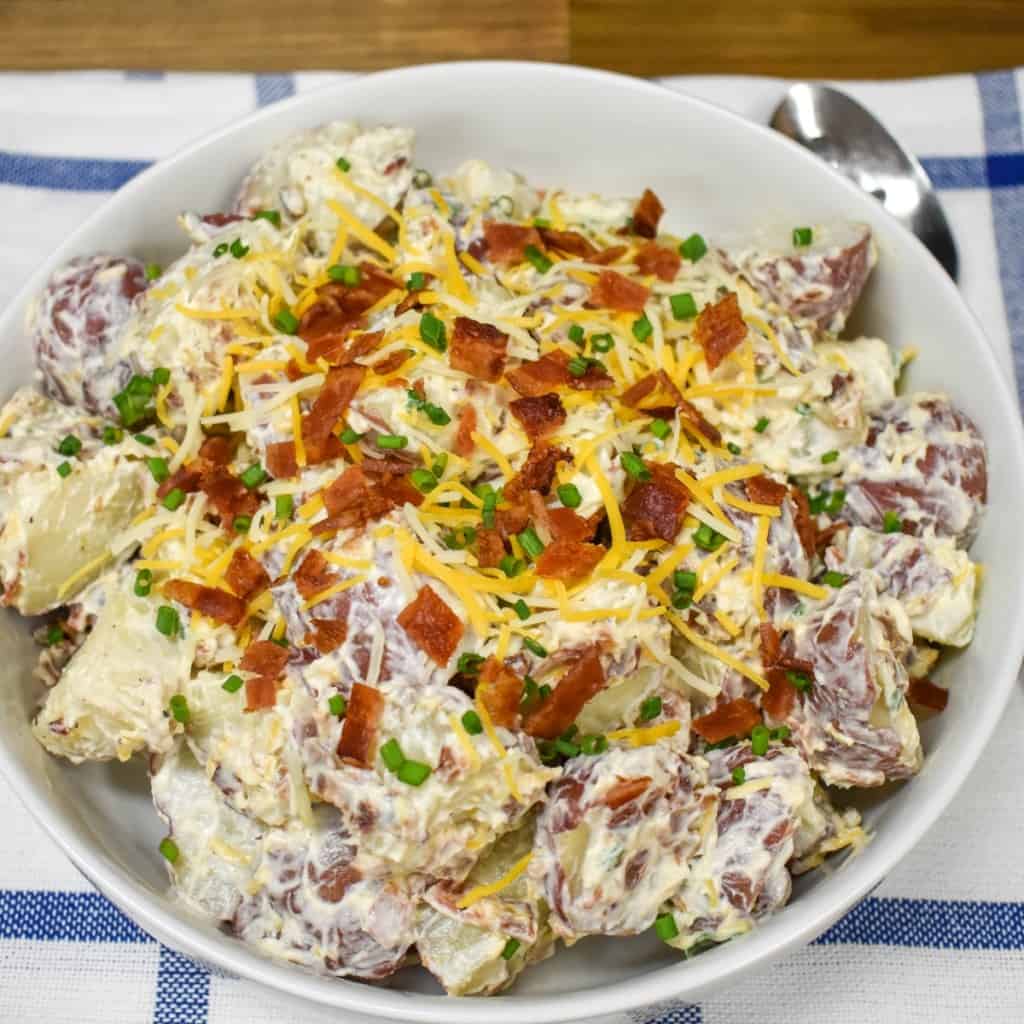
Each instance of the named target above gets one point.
<point>940,940</point>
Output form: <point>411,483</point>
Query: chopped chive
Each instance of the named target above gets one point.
<point>391,754</point>
<point>759,737</point>
<point>682,599</point>
<point>167,621</point>
<point>232,684</point>
<point>439,465</point>
<point>143,582</point>
<point>650,708</point>
<point>544,691</point>
<point>693,248</point>
<point>541,222</point>
<point>684,580</point>
<point>642,328</point>
<point>112,435</point>
<point>161,376</point>
<point>169,850</point>
<point>782,733</point>
<point>417,281</point>
<point>660,429</point>
<point>532,544</point>
<point>423,480</point>
<point>70,445</point>
<point>835,502</point>
<point>393,441</point>
<point>239,249</point>
<point>284,505</point>
<point>253,476</point>
<point>522,610</point>
<point>634,466</point>
<point>140,387</point>
<point>602,342</point>
<point>432,332</point>
<point>577,335</point>
<point>342,164</point>
<point>834,579</point>
<point>591,745</point>
<point>273,216</point>
<point>64,470</point>
<point>802,236</point>
<point>684,307</point>
<point>173,499</point>
<point>54,635</point>
<point>469,664</point>
<point>577,366</point>
<point>337,705</point>
<point>817,503</point>
<point>798,680</point>
<point>830,457</point>
<point>665,927</point>
<point>535,647</point>
<point>511,566</point>
<point>739,775</point>
<point>761,425</point>
<point>734,448</point>
<point>540,262</point>
<point>281,641</point>
<point>436,414</point>
<point>286,321</point>
<point>350,436</point>
<point>131,407</point>
<point>422,178</point>
<point>707,539</point>
<point>472,724</point>
<point>413,773</point>
<point>891,522</point>
<point>567,748</point>
<point>569,495</point>
<point>158,468</point>
<point>345,274</point>
<point>144,439</point>
<point>179,708</point>
<point>241,524</point>
<point>153,271</point>
<point>487,512</point>
<point>512,946</point>
<point>219,250</point>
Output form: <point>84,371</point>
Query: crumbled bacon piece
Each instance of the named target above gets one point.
<point>537,473</point>
<point>609,255</point>
<point>266,660</point>
<point>506,243</point>
<point>733,718</point>
<point>806,528</point>
<point>693,416</point>
<point>763,490</point>
<point>260,693</point>
<point>625,790</point>
<point>227,495</point>
<point>569,560</point>
<point>642,389</point>
<point>338,305</point>
<point>615,291</point>
<point>478,349</point>
<point>538,416</point>
<point>571,242</point>
<point>342,348</point>
<point>355,498</point>
<point>245,575</point>
<point>925,694</point>
<point>217,604</point>
<point>333,400</point>
<point>500,691</point>
<point>659,260</point>
<point>720,328</point>
<point>314,574</point>
<point>584,679</point>
<point>218,449</point>
<point>490,549</point>
<point>511,520</point>
<point>432,625</point>
<point>390,363</point>
<point>412,299</point>
<point>327,635</point>
<point>655,508</point>
<point>359,731</point>
<point>771,643</point>
<point>186,478</point>
<point>778,701</point>
<point>281,461</point>
<point>647,214</point>
<point>540,376</point>
<point>463,443</point>
<point>562,523</point>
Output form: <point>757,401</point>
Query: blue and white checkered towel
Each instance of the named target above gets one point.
<point>942,940</point>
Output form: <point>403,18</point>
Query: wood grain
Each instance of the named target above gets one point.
<point>808,38</point>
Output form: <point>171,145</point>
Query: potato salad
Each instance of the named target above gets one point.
<point>480,566</point>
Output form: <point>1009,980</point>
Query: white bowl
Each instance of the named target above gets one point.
<point>715,172</point>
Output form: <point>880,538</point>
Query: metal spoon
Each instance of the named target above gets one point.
<point>849,138</point>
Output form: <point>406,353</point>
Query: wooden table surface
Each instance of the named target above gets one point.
<point>809,38</point>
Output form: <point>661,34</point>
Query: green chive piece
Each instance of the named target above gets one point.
<point>439,465</point>
<point>284,505</point>
<point>569,495</point>
<point>220,250</point>
<point>141,387</point>
<point>143,582</point>
<point>392,441</point>
<point>179,708</point>
<point>734,448</point>
<point>642,328</point>
<point>253,476</point>
<point>802,237</point>
<point>684,307</point>
<point>232,684</point>
<point>112,435</point>
<point>759,737</point>
<point>490,501</point>
<point>707,539</point>
<point>532,544</point>
<point>540,262</point>
<point>348,275</point>
<point>70,445</point>
<point>830,457</point>
<point>511,566</point>
<point>167,621</point>
<point>422,178</point>
<point>336,704</point>
<point>423,480</point>
<point>799,680</point>
<point>535,647</point>
<point>834,579</point>
<point>64,470</point>
<point>350,436</point>
<point>161,376</point>
<point>144,439</point>
<point>512,946</point>
<point>891,522</point>
<point>286,321</point>
<point>541,222</point>
<point>577,366</point>
<point>273,216</point>
<point>684,580</point>
<point>602,343</point>
<point>577,335</point>
<point>153,271</point>
<point>158,469</point>
<point>342,164</point>
<point>682,599</point>
<point>131,408</point>
<point>391,754</point>
<point>693,248</point>
<point>543,692</point>
<point>239,249</point>
<point>436,414</point>
<point>417,281</point>
<point>413,773</point>
<point>817,503</point>
<point>566,748</point>
<point>472,724</point>
<point>634,466</point>
<point>665,927</point>
<point>591,745</point>
<point>522,610</point>
<point>835,503</point>
<point>650,708</point>
<point>169,850</point>
<point>432,332</point>
<point>739,775</point>
<point>762,424</point>
<point>782,733</point>
<point>241,524</point>
<point>469,664</point>
<point>54,635</point>
<point>173,499</point>
<point>660,429</point>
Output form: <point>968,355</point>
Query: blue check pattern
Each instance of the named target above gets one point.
<point>182,991</point>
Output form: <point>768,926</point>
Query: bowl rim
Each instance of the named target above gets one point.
<point>800,922</point>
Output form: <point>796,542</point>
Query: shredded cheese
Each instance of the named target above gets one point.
<point>480,892</point>
<point>775,579</point>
